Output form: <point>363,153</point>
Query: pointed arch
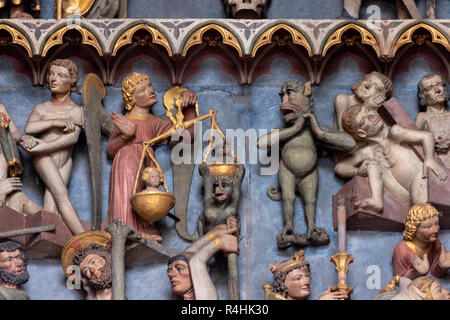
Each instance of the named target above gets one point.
<point>56,38</point>
<point>367,37</point>
<point>126,37</point>
<point>406,37</point>
<point>18,38</point>
<point>196,37</point>
<point>297,38</point>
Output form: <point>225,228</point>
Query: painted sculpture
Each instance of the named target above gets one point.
<point>291,281</point>
<point>57,125</point>
<point>373,89</point>
<point>21,9</point>
<point>13,272</point>
<point>92,9</point>
<point>221,199</point>
<point>11,166</point>
<point>433,98</point>
<point>406,9</point>
<point>421,288</point>
<point>420,252</point>
<point>298,166</point>
<point>245,9</point>
<point>188,271</point>
<point>383,159</point>
<point>125,147</point>
<point>91,253</point>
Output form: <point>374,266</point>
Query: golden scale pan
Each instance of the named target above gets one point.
<point>155,205</point>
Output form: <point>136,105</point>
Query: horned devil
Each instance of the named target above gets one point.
<point>298,165</point>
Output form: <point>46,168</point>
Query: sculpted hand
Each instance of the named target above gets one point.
<point>314,123</point>
<point>442,143</point>
<point>10,185</point>
<point>228,243</point>
<point>42,146</point>
<point>362,170</point>
<point>67,124</point>
<point>336,295</point>
<point>221,229</point>
<point>422,266</point>
<point>299,123</point>
<point>28,142</point>
<point>436,168</point>
<point>125,126</point>
<point>188,98</point>
<point>376,101</point>
<point>444,258</point>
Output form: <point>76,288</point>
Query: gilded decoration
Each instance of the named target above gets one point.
<point>406,37</point>
<point>57,39</point>
<point>126,37</point>
<point>227,36</point>
<point>18,38</point>
<point>366,38</point>
<point>266,38</point>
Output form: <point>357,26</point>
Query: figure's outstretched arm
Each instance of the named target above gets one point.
<point>207,183</point>
<point>203,286</point>
<point>334,139</point>
<point>237,181</point>
<point>400,134</point>
<point>280,135</point>
<point>340,103</point>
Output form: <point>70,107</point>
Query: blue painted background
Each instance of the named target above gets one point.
<point>237,106</point>
<point>279,9</point>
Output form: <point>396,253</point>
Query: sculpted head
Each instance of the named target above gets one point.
<point>222,188</point>
<point>138,90</point>
<point>95,265</point>
<point>432,90</point>
<point>13,268</point>
<point>292,278</point>
<point>152,177</point>
<point>62,76</point>
<point>180,275</point>
<point>361,122</point>
<point>296,99</point>
<point>422,222</point>
<point>372,84</point>
<point>427,288</point>
<point>245,9</point>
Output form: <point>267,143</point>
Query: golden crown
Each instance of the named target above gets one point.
<point>297,260</point>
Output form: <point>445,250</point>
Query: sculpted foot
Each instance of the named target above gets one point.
<point>370,204</point>
<point>318,236</point>
<point>302,240</point>
<point>286,237</point>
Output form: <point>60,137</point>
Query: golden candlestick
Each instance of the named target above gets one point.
<point>341,260</point>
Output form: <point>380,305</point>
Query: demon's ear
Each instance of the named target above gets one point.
<point>308,90</point>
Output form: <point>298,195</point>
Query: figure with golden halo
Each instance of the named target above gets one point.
<point>420,252</point>
<point>292,279</point>
<point>91,253</point>
<point>125,147</point>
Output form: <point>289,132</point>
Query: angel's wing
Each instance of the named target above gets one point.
<point>96,119</point>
